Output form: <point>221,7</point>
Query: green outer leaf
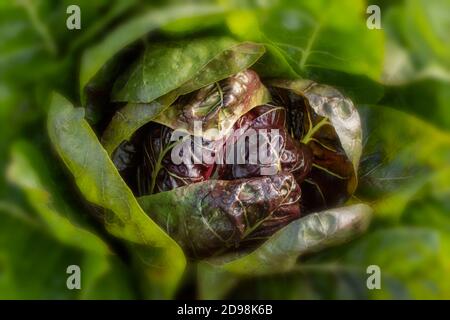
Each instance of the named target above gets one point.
<point>229,62</point>
<point>413,261</point>
<point>68,239</point>
<point>135,115</point>
<point>317,34</point>
<point>164,67</point>
<point>279,254</point>
<point>101,184</point>
<point>27,170</point>
<point>274,64</point>
<point>125,34</point>
<point>130,118</point>
<point>359,88</point>
<point>245,25</point>
<point>312,233</point>
<point>213,283</point>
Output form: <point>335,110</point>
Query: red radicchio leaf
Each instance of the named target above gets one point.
<point>288,155</point>
<point>332,179</point>
<point>215,216</point>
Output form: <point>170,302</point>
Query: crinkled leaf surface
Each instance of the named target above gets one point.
<point>217,107</point>
<point>312,233</point>
<point>150,167</point>
<point>216,216</point>
<point>408,190</point>
<point>101,184</point>
<point>284,153</point>
<point>149,162</point>
<point>322,118</point>
<point>329,103</point>
<point>280,252</point>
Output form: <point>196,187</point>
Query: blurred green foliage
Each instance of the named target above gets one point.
<point>398,76</point>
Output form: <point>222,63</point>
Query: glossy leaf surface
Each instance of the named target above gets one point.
<point>134,115</point>
<point>215,216</point>
<point>329,124</point>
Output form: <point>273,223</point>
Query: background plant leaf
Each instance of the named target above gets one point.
<point>54,237</point>
<point>406,257</point>
<point>92,169</point>
<point>132,30</point>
